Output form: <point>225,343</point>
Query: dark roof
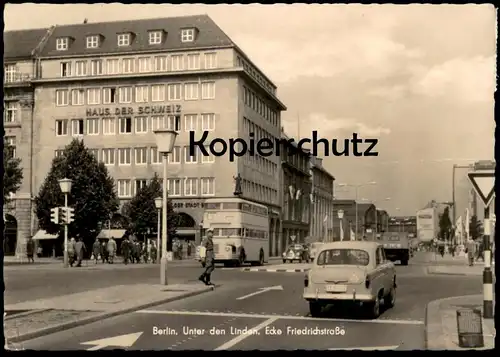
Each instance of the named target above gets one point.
<point>322,169</point>
<point>20,44</point>
<point>208,35</point>
<point>363,207</point>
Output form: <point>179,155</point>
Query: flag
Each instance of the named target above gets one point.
<point>298,194</point>
<point>325,219</point>
<point>466,224</point>
<point>352,235</point>
<point>459,230</point>
<point>292,191</point>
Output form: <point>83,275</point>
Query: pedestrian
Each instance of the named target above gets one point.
<point>471,250</point>
<point>111,247</point>
<point>96,250</point>
<point>154,252</point>
<point>71,251</point>
<point>30,249</point>
<point>189,249</point>
<point>125,251</point>
<point>209,259</point>
<point>104,253</point>
<point>80,250</point>
<point>39,251</point>
<point>179,250</point>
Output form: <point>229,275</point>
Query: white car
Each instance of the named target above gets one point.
<point>200,255</point>
<point>355,272</point>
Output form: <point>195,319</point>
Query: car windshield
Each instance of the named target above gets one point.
<point>394,238</point>
<point>343,257</point>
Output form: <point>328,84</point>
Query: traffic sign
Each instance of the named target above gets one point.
<point>484,185</point>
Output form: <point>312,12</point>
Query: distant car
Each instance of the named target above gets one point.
<point>354,272</point>
<point>200,255</point>
<point>313,249</point>
<point>296,252</point>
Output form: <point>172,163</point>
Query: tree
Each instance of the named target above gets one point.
<point>475,227</point>
<point>92,193</point>
<point>143,215</point>
<point>12,174</point>
<point>445,224</point>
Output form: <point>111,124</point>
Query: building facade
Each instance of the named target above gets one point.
<point>112,84</point>
<point>321,224</point>
<point>296,189</point>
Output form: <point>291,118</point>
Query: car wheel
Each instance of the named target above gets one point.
<point>374,311</point>
<point>284,261</point>
<point>315,308</point>
<point>391,298</point>
<point>404,262</point>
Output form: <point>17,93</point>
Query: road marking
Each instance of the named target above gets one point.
<point>282,317</point>
<point>260,291</point>
<point>117,341</point>
<point>375,348</point>
<point>240,338</point>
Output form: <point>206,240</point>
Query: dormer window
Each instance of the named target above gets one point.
<point>62,43</point>
<point>93,41</point>
<point>187,35</point>
<point>155,37</point>
<point>124,39</point>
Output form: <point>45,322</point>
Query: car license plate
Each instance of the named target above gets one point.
<point>336,288</point>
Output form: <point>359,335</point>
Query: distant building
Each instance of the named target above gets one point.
<point>322,200</point>
<point>382,221</point>
<point>366,218</point>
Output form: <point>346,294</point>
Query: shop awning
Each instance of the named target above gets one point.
<point>43,235</point>
<point>108,233</point>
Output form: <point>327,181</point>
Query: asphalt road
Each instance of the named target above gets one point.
<point>211,321</point>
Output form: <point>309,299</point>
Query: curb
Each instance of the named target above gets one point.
<point>433,323</point>
<point>26,313</point>
<point>431,272</point>
<point>276,270</point>
<point>107,314</point>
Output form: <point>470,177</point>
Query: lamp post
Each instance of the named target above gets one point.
<point>357,187</point>
<point>340,214</point>
<point>165,140</point>
<point>158,205</point>
<point>65,185</point>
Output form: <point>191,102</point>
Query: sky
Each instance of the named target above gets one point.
<point>419,78</point>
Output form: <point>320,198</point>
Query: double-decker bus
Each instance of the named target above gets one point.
<point>240,228</point>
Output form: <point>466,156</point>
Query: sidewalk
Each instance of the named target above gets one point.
<point>441,323</point>
<point>45,316</point>
<point>449,265</point>
<point>12,260</point>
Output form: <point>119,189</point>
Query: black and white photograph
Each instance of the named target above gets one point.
<point>213,177</point>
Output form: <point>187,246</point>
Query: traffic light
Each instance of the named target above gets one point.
<point>68,215</point>
<point>54,215</point>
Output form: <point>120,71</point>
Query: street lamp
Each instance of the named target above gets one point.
<point>65,185</point>
<point>356,200</point>
<point>158,205</point>
<point>340,214</point>
<point>165,140</point>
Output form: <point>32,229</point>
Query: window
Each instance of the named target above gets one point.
<point>10,114</point>
<point>343,257</point>
<point>141,125</point>
<point>108,126</point>
<point>96,67</point>
<point>188,159</point>
<point>155,156</point>
<point>155,37</point>
<point>77,127</point>
<point>187,35</point>
<point>124,156</point>
<point>191,91</point>
<point>93,126</point>
<point>144,64</point>
<point>208,122</point>
<point>210,60</point>
<point>124,188</point>
<point>158,93</point>
<point>141,156</point>
<point>11,73</point>
<point>77,97</point>
<point>128,65</point>
<point>158,122</point>
<point>177,62</point>
<point>193,61</point>
<point>124,39</point>
<point>62,127</point>
<point>62,44</point>
<point>174,91</point>
<point>190,122</point>
<point>10,141</point>
<point>93,96</point>
<point>174,187</point>
<point>139,185</point>
<point>65,69</point>
<point>80,68</point>
<point>108,156</point>
<point>141,94</point>
<point>175,156</point>
<point>125,94</point>
<point>109,95</point>
<point>95,153</point>
<point>125,125</point>
<point>174,122</point>
<point>113,66</point>
<point>62,97</point>
<point>161,63</point>
<point>209,159</point>
<point>92,41</point>
<point>208,90</point>
<point>58,153</point>
<point>191,187</point>
<point>207,186</point>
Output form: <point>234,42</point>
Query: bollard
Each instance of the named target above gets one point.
<point>470,328</point>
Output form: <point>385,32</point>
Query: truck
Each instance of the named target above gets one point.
<point>396,246</point>
<point>427,224</point>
